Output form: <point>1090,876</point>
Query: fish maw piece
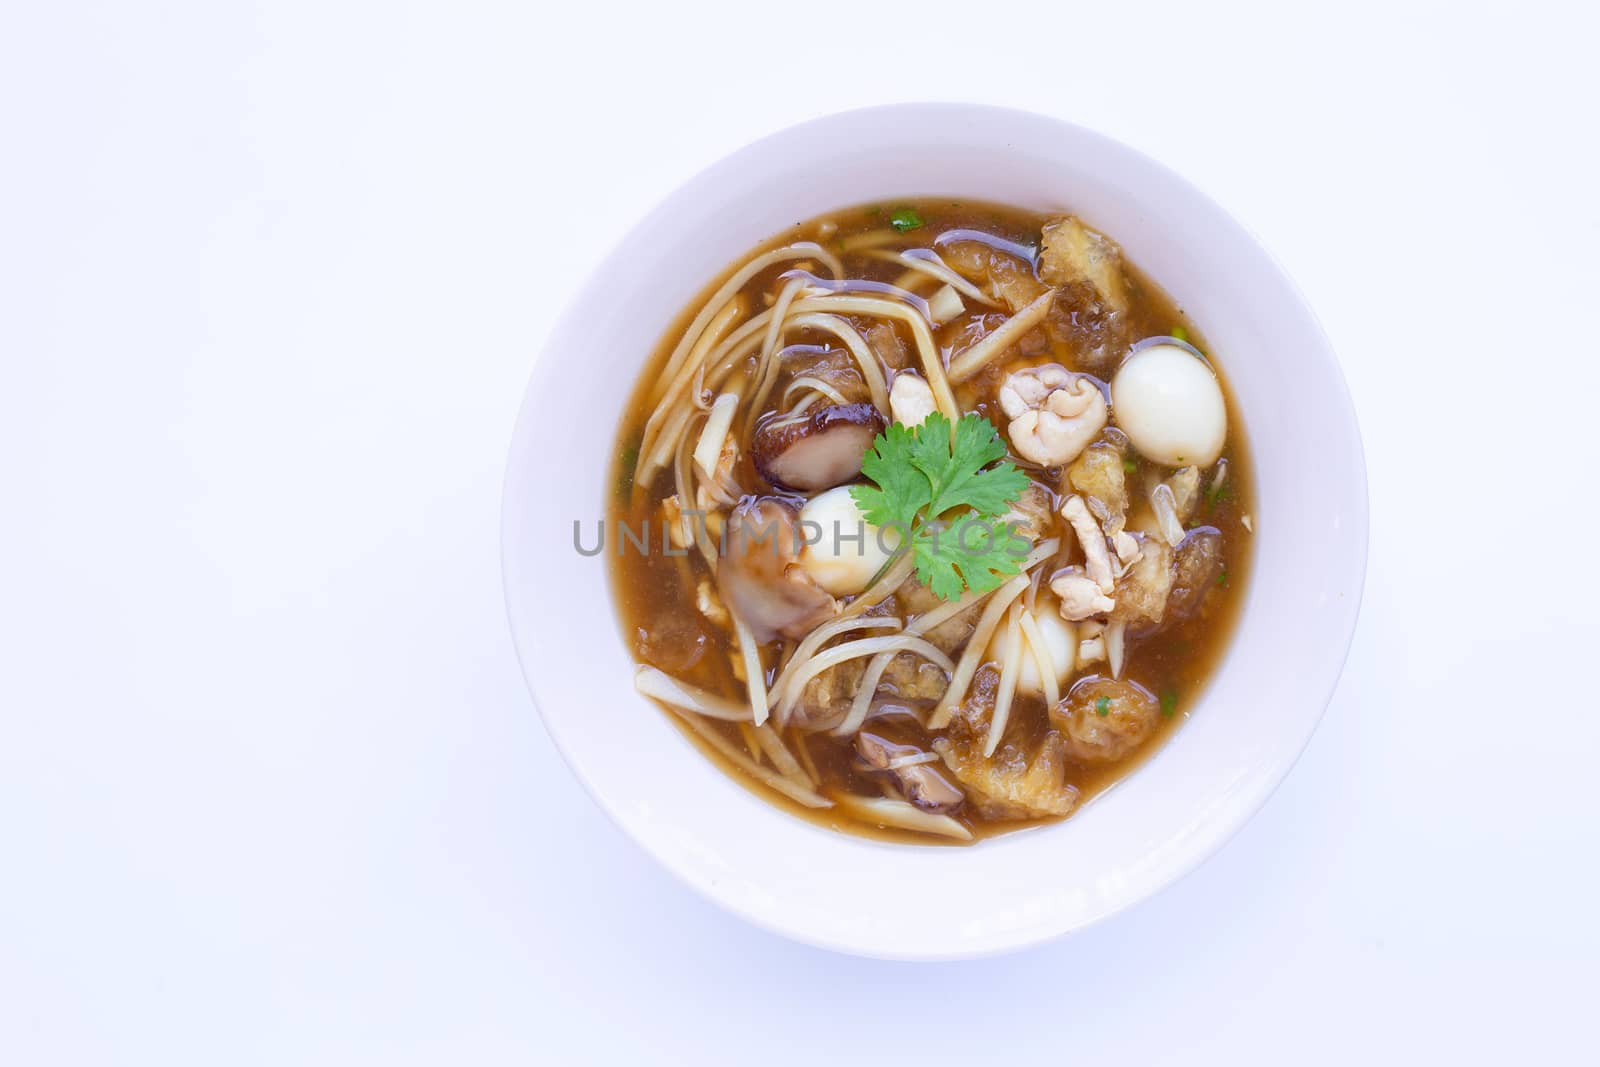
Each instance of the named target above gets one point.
<point>1011,784</point>
<point>1105,719</point>
<point>1072,254</point>
<point>1100,476</point>
<point>885,342</point>
<point>1033,515</point>
<point>1004,278</point>
<point>914,599</point>
<point>1142,593</point>
<point>1090,312</point>
<point>826,698</point>
<point>913,680</point>
<point>1197,564</point>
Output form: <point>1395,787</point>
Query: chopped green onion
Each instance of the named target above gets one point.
<point>1179,333</point>
<point>625,470</point>
<point>1102,707</point>
<point>1169,703</point>
<point>1222,578</point>
<point>905,219</point>
<point>1216,494</point>
<point>1130,465</point>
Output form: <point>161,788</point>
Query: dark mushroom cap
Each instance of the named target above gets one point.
<point>759,575</point>
<point>922,784</point>
<point>817,450</point>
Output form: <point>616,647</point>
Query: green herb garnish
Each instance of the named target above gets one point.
<point>1216,493</point>
<point>1222,577</point>
<point>905,219</point>
<point>1130,465</point>
<point>1102,707</point>
<point>936,490</point>
<point>1179,333</point>
<point>629,463</point>
<point>1169,703</point>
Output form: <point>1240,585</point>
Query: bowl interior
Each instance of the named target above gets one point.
<point>1244,733</point>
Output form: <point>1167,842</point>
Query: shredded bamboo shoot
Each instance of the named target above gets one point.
<point>1002,338</point>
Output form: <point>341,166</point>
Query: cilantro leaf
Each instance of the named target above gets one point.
<point>901,491</point>
<point>923,475</point>
<point>1169,702</point>
<point>937,570</point>
<point>954,466</point>
<point>969,553</point>
<point>905,219</point>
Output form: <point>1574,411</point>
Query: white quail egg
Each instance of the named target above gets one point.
<point>843,551</point>
<point>1170,405</point>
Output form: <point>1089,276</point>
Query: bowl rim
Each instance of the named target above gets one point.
<point>1218,830</point>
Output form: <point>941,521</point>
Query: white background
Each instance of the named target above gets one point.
<point>272,277</point>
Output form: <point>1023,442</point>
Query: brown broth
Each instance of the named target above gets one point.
<point>655,592</point>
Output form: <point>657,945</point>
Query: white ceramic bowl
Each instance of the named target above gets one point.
<point>843,892</point>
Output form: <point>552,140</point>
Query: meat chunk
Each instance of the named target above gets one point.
<point>1097,557</point>
<point>1013,783</point>
<point>1080,595</point>
<point>1102,720</point>
<point>911,399</point>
